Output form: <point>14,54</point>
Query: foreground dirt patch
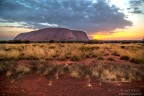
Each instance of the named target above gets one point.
<point>37,85</point>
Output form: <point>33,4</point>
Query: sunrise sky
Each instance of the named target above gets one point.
<point>100,19</point>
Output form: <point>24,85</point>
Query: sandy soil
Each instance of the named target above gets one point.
<point>38,85</point>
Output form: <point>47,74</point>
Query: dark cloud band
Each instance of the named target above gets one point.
<point>86,15</point>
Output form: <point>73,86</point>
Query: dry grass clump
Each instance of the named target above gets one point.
<point>40,67</point>
<point>124,58</point>
<point>61,45</point>
<point>54,71</point>
<point>50,54</point>
<point>76,70</point>
<point>2,67</point>
<point>76,55</point>
<point>106,54</point>
<point>52,47</point>
<point>22,70</point>
<point>100,58</point>
<point>111,59</point>
<point>63,54</point>
<point>13,55</point>
<point>2,54</point>
<point>136,60</point>
<point>115,53</point>
<point>107,75</point>
<point>81,71</point>
<point>6,65</point>
<point>10,68</point>
<point>9,73</point>
<point>122,47</point>
<point>88,48</point>
<point>28,54</point>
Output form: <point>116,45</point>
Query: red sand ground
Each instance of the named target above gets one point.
<point>37,85</point>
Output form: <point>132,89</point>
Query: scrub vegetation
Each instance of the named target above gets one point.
<point>97,71</point>
<point>110,62</point>
<point>74,52</point>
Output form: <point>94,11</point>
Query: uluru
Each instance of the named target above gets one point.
<point>56,34</point>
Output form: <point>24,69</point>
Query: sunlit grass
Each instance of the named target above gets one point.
<point>133,53</point>
<point>74,51</point>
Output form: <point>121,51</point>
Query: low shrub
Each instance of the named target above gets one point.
<point>22,69</point>
<point>135,60</point>
<point>106,54</point>
<point>115,54</point>
<point>75,58</point>
<point>100,58</point>
<point>88,48</point>
<point>111,59</point>
<point>124,58</point>
<point>51,47</point>
<point>94,55</point>
<point>9,73</point>
<point>122,47</point>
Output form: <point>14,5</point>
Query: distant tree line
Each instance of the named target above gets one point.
<point>14,41</point>
<point>87,42</point>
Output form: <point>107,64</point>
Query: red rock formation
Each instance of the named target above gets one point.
<point>57,34</point>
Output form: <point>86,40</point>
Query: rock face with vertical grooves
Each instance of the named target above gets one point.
<point>56,34</point>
